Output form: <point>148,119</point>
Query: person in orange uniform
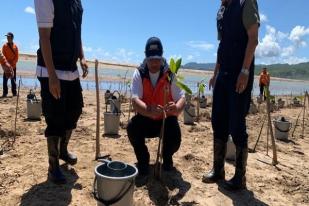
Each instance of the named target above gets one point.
<point>10,51</point>
<point>264,81</point>
<point>154,90</point>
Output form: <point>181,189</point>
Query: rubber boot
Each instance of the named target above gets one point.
<point>238,182</point>
<point>54,173</point>
<point>64,154</point>
<point>217,173</point>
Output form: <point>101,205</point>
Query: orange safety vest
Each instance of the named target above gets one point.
<point>11,54</point>
<point>264,79</point>
<point>155,95</point>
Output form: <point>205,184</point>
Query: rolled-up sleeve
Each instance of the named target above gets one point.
<point>44,10</point>
<point>137,85</point>
<point>251,14</point>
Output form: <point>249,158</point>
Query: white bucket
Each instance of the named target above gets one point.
<point>111,123</point>
<point>230,150</point>
<point>107,96</point>
<point>189,114</point>
<point>188,97</point>
<point>281,104</point>
<point>203,102</point>
<point>282,129</point>
<point>115,105</point>
<point>259,99</point>
<point>34,109</point>
<point>114,183</point>
<point>253,109</point>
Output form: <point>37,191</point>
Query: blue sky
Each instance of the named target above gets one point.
<point>116,30</point>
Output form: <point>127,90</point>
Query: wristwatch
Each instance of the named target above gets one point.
<point>245,71</point>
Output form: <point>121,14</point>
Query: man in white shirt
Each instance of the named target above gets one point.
<point>59,24</point>
<point>150,81</point>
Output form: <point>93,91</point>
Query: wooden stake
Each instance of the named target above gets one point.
<point>16,111</point>
<point>159,159</point>
<point>258,139</point>
<point>304,112</point>
<point>267,139</point>
<point>198,102</point>
<point>297,121</point>
<point>275,161</point>
<point>97,150</point>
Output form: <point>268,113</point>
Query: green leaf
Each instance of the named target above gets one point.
<point>184,87</point>
<point>178,65</point>
<point>202,87</point>
<point>172,66</point>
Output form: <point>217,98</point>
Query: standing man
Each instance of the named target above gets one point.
<point>10,51</point>
<point>59,25</point>
<point>238,22</point>
<point>264,81</point>
<point>150,81</point>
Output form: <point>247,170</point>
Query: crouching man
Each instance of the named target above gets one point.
<point>154,90</point>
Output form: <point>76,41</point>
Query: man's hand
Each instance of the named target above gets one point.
<point>212,82</point>
<point>84,66</point>
<point>155,111</point>
<point>8,70</point>
<point>54,86</point>
<point>242,82</point>
<point>171,107</point>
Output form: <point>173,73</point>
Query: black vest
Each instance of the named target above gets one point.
<point>65,37</point>
<point>234,38</point>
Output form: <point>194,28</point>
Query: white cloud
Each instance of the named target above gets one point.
<point>29,10</point>
<point>279,47</point>
<point>87,49</point>
<point>201,45</point>
<point>298,34</point>
<point>263,18</point>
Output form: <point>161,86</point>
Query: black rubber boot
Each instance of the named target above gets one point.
<point>238,182</point>
<point>217,173</point>
<point>64,154</point>
<point>54,173</point>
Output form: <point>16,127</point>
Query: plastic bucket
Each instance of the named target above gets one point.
<point>230,150</point>
<point>282,129</point>
<point>34,109</point>
<point>111,123</point>
<point>203,102</point>
<point>114,183</point>
<point>189,114</point>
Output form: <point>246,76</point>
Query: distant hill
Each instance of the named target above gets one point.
<point>200,66</point>
<point>294,71</point>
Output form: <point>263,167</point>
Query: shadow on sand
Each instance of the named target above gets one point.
<point>48,193</point>
<point>169,190</point>
<point>243,197</point>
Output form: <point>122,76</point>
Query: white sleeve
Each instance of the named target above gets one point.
<point>137,85</point>
<point>44,10</point>
<point>177,93</point>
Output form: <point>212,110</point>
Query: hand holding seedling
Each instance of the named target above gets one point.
<point>171,108</point>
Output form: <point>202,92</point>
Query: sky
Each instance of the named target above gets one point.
<point>117,30</point>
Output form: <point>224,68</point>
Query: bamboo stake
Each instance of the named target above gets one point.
<point>275,161</point>
<point>297,121</point>
<point>16,111</point>
<point>258,139</point>
<point>159,159</point>
<point>97,151</point>
<point>304,112</point>
<point>267,139</point>
<point>198,102</point>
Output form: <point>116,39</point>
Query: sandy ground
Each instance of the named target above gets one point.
<point>23,168</point>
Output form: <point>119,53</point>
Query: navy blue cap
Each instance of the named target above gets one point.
<point>10,34</point>
<point>154,48</point>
